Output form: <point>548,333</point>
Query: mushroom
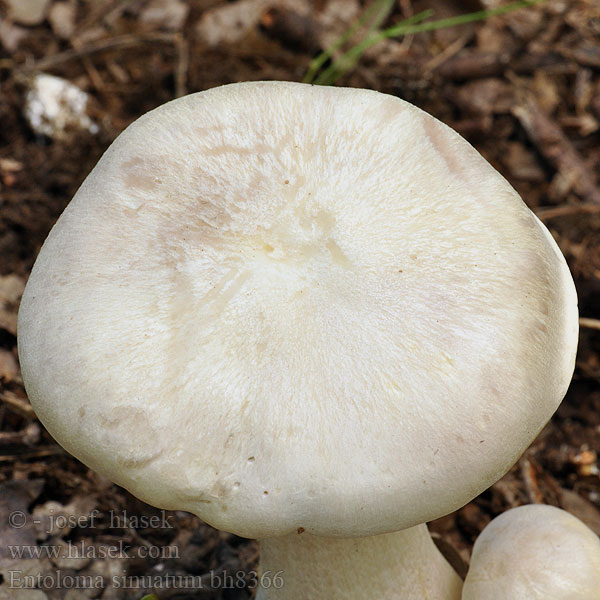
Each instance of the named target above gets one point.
<point>312,316</point>
<point>535,552</point>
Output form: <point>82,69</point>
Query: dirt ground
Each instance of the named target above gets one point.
<point>523,88</point>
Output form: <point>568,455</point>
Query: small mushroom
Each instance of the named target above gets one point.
<point>535,552</point>
<point>312,316</point>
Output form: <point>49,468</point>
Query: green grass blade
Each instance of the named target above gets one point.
<point>348,60</point>
<point>381,14</point>
<point>378,11</point>
<point>460,19</point>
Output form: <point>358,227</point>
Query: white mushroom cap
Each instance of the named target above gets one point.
<point>535,552</point>
<point>279,306</point>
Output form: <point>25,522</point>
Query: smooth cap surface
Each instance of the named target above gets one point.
<point>279,306</point>
<point>535,552</point>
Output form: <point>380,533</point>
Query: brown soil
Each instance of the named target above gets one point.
<point>524,89</point>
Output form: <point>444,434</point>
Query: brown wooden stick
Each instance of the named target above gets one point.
<point>589,323</point>
<point>16,403</point>
<point>556,148</point>
<point>529,477</point>
<point>565,210</point>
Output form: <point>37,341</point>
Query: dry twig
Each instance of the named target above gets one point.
<point>565,210</point>
<point>529,477</point>
<point>119,42</point>
<point>16,403</point>
<point>589,323</point>
<point>555,147</point>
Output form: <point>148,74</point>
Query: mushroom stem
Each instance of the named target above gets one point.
<point>404,564</point>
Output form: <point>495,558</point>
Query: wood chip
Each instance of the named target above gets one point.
<point>27,12</point>
<point>62,19</point>
<point>9,369</point>
<point>169,15</point>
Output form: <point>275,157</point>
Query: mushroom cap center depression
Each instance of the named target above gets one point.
<point>321,294</point>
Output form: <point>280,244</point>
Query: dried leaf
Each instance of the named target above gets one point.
<point>11,35</point>
<point>485,96</point>
<point>583,509</point>
<point>11,289</point>
<point>521,163</point>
